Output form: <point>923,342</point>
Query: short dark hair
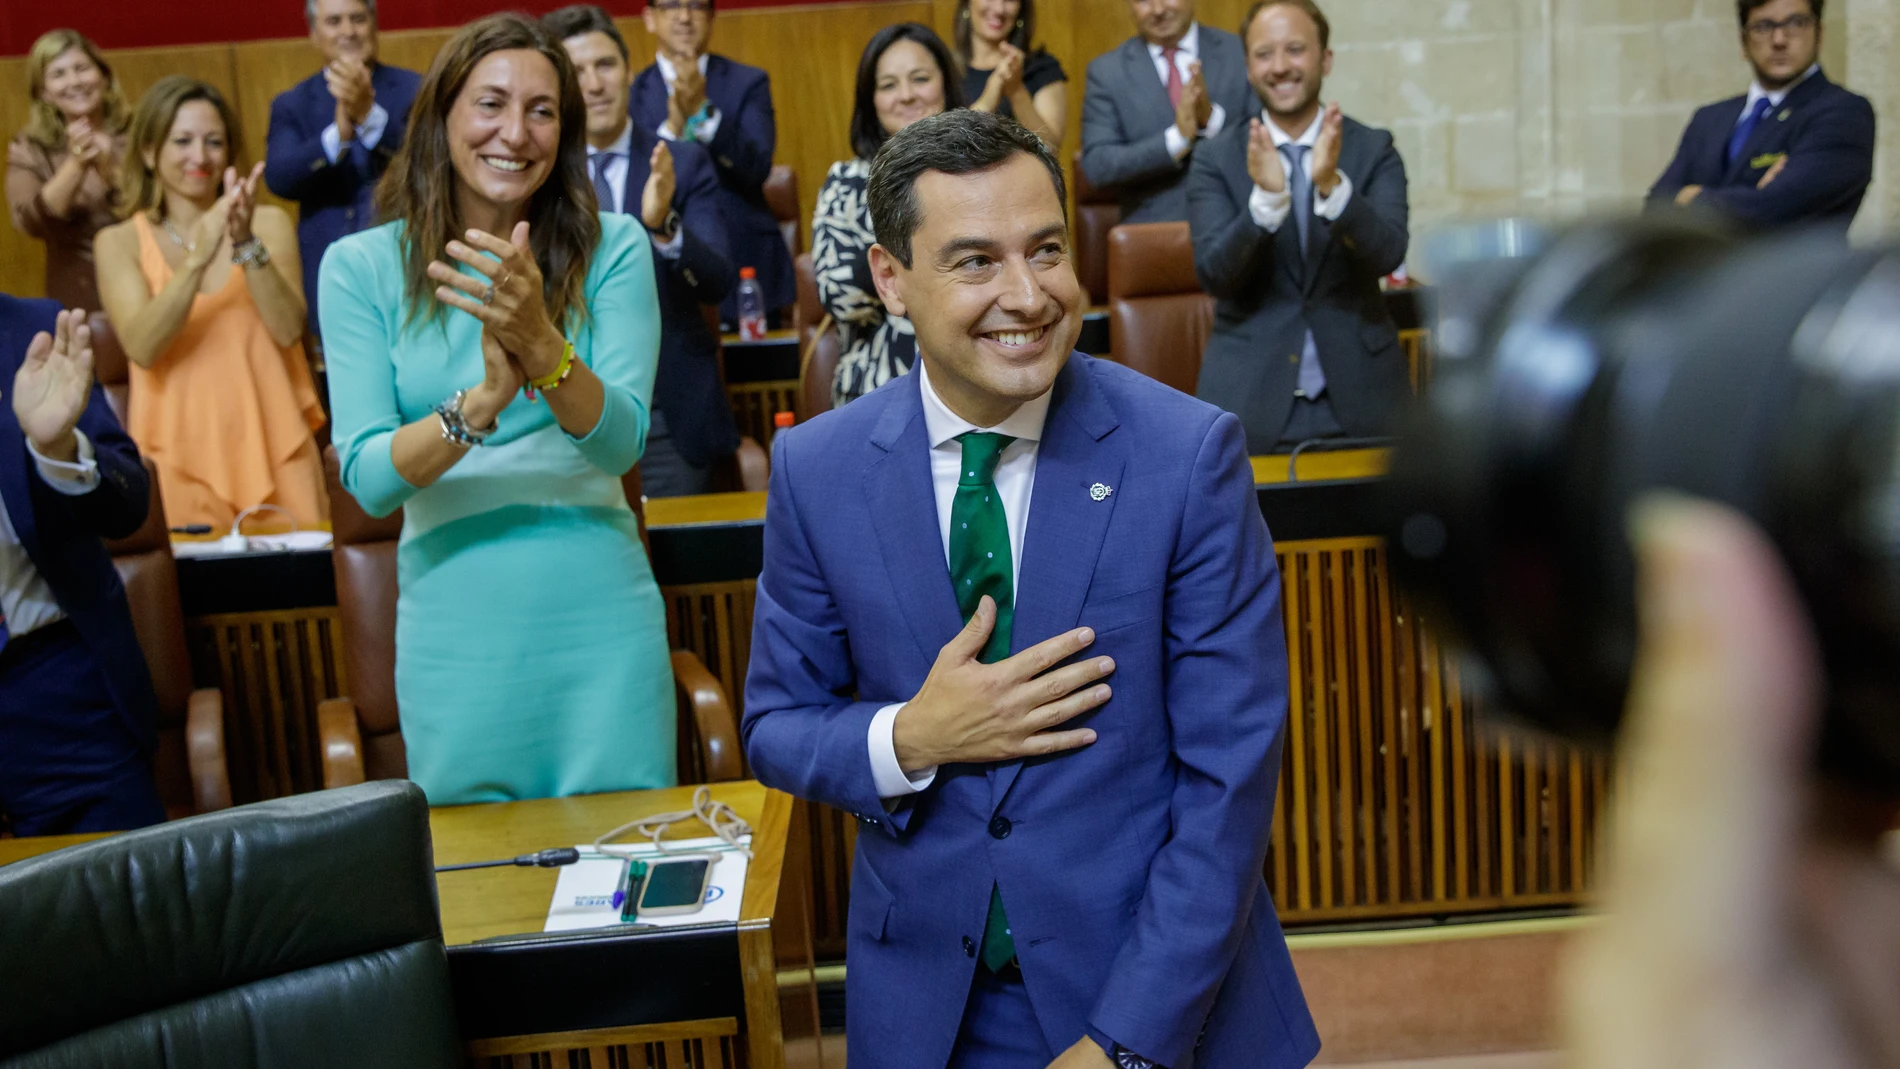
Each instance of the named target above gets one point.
<point>954,142</point>
<point>1312,11</point>
<point>1745,8</point>
<point>867,134</point>
<point>576,20</point>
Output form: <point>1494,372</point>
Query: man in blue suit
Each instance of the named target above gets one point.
<point>1051,871</point>
<point>1795,150</point>
<point>78,720</point>
<point>687,94</point>
<point>333,134</point>
<point>675,191</point>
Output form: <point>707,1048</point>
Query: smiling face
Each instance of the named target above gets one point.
<point>991,289</point>
<point>1287,66</point>
<point>994,20</point>
<point>75,85</point>
<point>681,28</point>
<point>344,29</point>
<point>605,84</point>
<point>1162,22</point>
<point>504,130</point>
<point>909,85</point>
<point>191,160</point>
<point>1787,49</point>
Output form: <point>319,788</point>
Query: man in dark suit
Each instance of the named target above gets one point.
<point>333,134</point>
<point>1297,214</point>
<point>1150,101</point>
<point>1048,873</point>
<point>687,94</point>
<point>675,191</point>
<point>78,720</point>
<point>1795,150</point>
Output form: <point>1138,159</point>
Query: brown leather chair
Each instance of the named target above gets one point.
<point>781,195</point>
<point>1158,318</point>
<point>1097,212</point>
<point>809,310</point>
<point>817,368</point>
<point>361,734</point>
<point>189,765</point>
<point>109,364</point>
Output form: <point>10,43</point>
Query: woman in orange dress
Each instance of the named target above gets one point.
<point>205,289</point>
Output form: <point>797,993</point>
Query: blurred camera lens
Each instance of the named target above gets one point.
<point>1579,370</point>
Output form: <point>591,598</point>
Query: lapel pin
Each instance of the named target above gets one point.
<point>1100,491</point>
<point>1783,117</point>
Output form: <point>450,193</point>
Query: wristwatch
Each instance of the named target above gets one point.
<point>1128,1059</point>
<point>251,252</point>
<point>667,229</point>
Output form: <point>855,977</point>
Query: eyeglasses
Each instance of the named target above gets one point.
<point>697,7</point>
<point>1796,25</point>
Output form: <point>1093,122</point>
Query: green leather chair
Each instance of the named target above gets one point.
<point>300,932</point>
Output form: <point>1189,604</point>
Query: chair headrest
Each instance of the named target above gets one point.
<point>349,524</point>
<point>108,356</point>
<point>154,533</point>
<point>1150,260</point>
<point>781,192</point>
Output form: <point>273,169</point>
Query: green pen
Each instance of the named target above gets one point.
<point>634,880</point>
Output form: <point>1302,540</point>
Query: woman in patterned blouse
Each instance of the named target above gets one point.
<point>906,74</point>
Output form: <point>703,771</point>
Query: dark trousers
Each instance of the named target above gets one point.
<point>68,762</point>
<point>664,472</point>
<point>999,1029</point>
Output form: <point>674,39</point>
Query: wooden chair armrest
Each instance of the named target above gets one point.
<point>342,742</point>
<point>712,712</point>
<point>204,749</point>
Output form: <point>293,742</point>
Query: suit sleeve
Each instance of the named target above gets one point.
<point>705,260</point>
<point>1831,161</point>
<point>1230,249</point>
<point>1373,226</point>
<point>744,143</point>
<point>1226,675</point>
<point>118,505</point>
<point>804,728</point>
<point>1662,195</point>
<point>1110,157</point>
<point>295,165</point>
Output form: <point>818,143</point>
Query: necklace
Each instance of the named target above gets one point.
<point>177,238</point>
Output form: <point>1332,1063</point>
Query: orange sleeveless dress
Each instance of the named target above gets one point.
<point>225,413</point>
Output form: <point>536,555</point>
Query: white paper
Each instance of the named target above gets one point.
<point>293,542</point>
<point>583,894</point>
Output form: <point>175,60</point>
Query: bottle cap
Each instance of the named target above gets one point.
<point>747,272</point>
<point>784,419</point>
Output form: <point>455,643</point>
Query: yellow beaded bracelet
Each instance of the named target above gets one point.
<point>553,379</point>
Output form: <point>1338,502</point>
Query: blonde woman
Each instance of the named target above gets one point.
<point>205,288</point>
<point>62,168</point>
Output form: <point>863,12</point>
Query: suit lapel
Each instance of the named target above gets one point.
<point>1150,92</point>
<point>1067,523</point>
<point>904,511</point>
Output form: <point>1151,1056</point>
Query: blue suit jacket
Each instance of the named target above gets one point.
<point>61,533</point>
<point>687,387</point>
<point>333,199</point>
<point>1826,132</point>
<point>742,152</point>
<point>1131,869</point>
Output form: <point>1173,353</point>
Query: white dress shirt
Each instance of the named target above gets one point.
<point>1187,51</point>
<point>26,602</point>
<point>1015,479</point>
<point>1757,93</point>
<point>619,165</point>
<point>1269,210</point>
<point>708,128</point>
<point>368,133</point>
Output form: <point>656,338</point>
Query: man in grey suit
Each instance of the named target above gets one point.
<point>1297,215</point>
<point>1151,100</point>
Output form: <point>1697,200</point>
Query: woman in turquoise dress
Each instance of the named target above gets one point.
<point>491,355</point>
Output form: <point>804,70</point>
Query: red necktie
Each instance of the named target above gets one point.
<point>1174,76</point>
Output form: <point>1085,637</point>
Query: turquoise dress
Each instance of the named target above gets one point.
<point>531,653</point>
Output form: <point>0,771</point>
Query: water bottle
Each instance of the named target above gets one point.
<point>751,306</point>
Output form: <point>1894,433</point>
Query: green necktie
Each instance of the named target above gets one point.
<point>979,565</point>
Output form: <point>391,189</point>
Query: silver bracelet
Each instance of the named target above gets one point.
<point>251,252</point>
<point>455,428</point>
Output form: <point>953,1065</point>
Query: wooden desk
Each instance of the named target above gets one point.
<point>528,999</point>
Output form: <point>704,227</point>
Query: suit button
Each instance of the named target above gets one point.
<point>999,828</point>
<point>969,947</point>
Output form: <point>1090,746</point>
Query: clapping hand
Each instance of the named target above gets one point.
<point>1264,164</point>
<point>1194,110</point>
<point>688,96</point>
<point>1084,1054</point>
<point>350,84</point>
<point>1326,152</point>
<point>81,140</point>
<point>240,196</point>
<point>505,293</point>
<point>52,387</point>
<point>1004,81</point>
<point>656,198</point>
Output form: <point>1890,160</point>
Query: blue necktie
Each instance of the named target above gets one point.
<point>1739,139</point>
<point>603,189</point>
<point>1300,184</point>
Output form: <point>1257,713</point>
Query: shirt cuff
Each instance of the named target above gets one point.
<point>889,776</point>
<point>1178,146</point>
<point>669,248</point>
<point>74,478</point>
<point>332,142</point>
<point>1332,207</point>
<point>370,130</point>
<point>1269,209</point>
<point>665,133</point>
<point>708,127</point>
<point>1216,122</point>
